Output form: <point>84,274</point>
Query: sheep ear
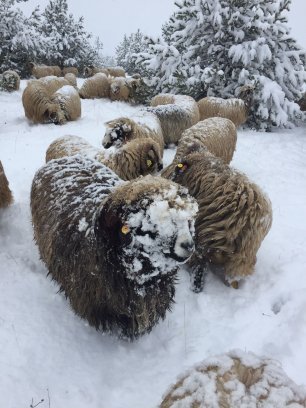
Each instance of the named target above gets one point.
<point>107,222</point>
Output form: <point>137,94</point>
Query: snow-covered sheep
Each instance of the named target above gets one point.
<point>144,125</point>
<point>71,78</point>
<point>217,135</point>
<point>235,109</point>
<point>71,70</point>
<point>236,379</point>
<point>38,106</point>
<point>113,246</point>
<point>9,81</point>
<point>134,159</point>
<point>116,71</point>
<point>97,86</point>
<point>123,89</point>
<point>90,71</point>
<point>53,83</point>
<point>39,71</point>
<point>176,114</point>
<point>69,101</point>
<point>6,197</point>
<point>234,217</point>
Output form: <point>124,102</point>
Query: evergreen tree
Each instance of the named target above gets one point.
<point>67,39</point>
<point>127,50</point>
<point>19,39</point>
<point>212,47</point>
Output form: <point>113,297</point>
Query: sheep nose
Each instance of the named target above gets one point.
<point>188,246</point>
<point>107,145</point>
<point>160,166</point>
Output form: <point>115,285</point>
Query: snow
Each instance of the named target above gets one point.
<point>49,353</point>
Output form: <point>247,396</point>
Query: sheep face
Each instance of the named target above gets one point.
<point>150,236</point>
<point>54,115</point>
<point>117,135</point>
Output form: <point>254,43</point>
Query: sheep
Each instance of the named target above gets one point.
<point>176,114</point>
<point>236,379</point>
<point>95,87</point>
<point>217,135</point>
<point>9,81</point>
<point>234,217</point>
<point>53,83</point>
<point>91,71</point>
<point>69,101</point>
<point>71,78</point>
<point>40,71</point>
<point>6,196</point>
<point>116,71</point>
<point>113,246</point>
<point>123,89</point>
<point>235,109</point>
<point>134,159</point>
<point>123,129</point>
<point>70,70</point>
<point>38,106</point>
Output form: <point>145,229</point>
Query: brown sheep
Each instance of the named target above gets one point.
<point>176,114</point>
<point>53,83</point>
<point>97,86</point>
<point>123,89</point>
<point>144,126</point>
<point>40,71</point>
<point>134,159</point>
<point>6,196</point>
<point>71,70</point>
<point>235,380</point>
<point>69,101</point>
<point>71,78</point>
<point>91,71</point>
<point>237,110</point>
<point>105,242</point>
<point>116,71</point>
<point>234,217</point>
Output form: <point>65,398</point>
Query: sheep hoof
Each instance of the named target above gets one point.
<point>235,284</point>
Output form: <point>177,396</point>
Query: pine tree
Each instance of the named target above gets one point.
<point>19,39</point>
<point>127,50</point>
<point>68,42</point>
<point>213,47</point>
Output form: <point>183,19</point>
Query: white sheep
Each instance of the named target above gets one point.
<point>113,246</point>
<point>97,86</point>
<point>176,114</point>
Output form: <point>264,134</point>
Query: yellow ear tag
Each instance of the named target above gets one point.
<point>125,229</point>
<point>149,163</point>
<point>235,284</point>
<point>180,165</point>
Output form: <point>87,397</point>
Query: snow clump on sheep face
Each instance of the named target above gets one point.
<point>117,135</point>
<point>161,233</point>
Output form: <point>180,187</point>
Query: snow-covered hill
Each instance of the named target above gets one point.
<point>46,352</point>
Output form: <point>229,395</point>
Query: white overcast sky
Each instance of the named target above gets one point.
<point>111,19</point>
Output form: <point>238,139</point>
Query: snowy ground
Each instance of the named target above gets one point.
<point>46,352</point>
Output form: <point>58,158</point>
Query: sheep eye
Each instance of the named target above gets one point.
<point>125,229</point>
<point>149,163</point>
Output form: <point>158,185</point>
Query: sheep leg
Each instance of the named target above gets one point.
<point>197,275</point>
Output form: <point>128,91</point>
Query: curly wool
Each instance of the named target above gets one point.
<point>136,158</point>
<point>9,81</point>
<point>235,380</point>
<point>52,83</point>
<point>123,89</point>
<point>142,126</point>
<point>97,86</point>
<point>234,217</point>
<point>116,71</point>
<point>121,282</point>
<point>71,70</point>
<point>71,78</point>
<point>40,71</point>
<point>6,196</point>
<point>176,114</point>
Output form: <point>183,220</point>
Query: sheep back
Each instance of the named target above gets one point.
<point>69,101</point>
<point>234,216</point>
<point>71,70</point>
<point>71,78</point>
<point>40,71</point>
<point>116,71</point>
<point>53,83</point>
<point>235,379</point>
<point>217,135</point>
<point>119,89</point>
<point>233,109</point>
<point>176,114</point>
<point>6,196</point>
<point>91,71</point>
<point>95,87</point>
<point>120,283</point>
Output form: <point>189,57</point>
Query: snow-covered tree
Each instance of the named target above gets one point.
<point>20,41</point>
<point>213,47</point>
<point>67,38</point>
<point>127,50</point>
